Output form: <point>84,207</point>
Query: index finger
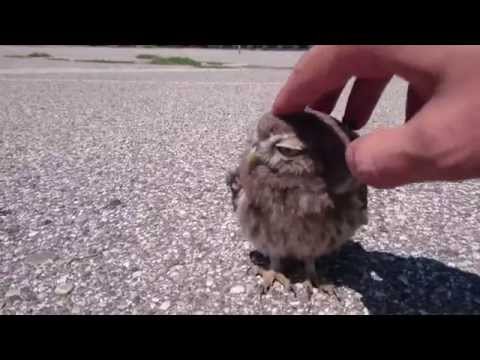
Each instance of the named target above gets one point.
<point>316,74</point>
<point>324,69</point>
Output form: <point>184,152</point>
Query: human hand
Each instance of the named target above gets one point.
<point>440,141</point>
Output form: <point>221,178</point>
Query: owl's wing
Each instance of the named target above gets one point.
<point>233,183</point>
<point>233,176</point>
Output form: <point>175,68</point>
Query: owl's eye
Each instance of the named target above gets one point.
<point>289,152</point>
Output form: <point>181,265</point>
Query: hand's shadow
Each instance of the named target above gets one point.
<point>390,284</point>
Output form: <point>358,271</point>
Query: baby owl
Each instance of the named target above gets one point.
<point>293,193</point>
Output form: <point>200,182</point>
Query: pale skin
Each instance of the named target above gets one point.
<point>440,139</point>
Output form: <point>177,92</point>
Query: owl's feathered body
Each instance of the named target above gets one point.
<point>293,193</point>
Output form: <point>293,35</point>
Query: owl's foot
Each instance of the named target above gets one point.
<point>318,281</point>
<point>269,277</point>
<point>309,288</point>
<point>331,290</point>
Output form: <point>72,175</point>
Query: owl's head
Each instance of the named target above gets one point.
<point>305,144</point>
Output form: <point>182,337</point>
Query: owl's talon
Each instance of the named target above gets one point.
<point>330,291</point>
<point>270,276</point>
<point>309,288</point>
<point>315,280</point>
<point>325,288</point>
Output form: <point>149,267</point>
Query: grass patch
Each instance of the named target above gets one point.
<point>146,56</point>
<point>58,59</point>
<point>177,60</point>
<point>214,63</point>
<point>31,55</point>
<point>103,61</point>
<point>172,60</point>
<point>268,67</point>
<point>39,54</point>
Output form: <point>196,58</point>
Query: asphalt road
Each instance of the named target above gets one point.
<point>112,196</point>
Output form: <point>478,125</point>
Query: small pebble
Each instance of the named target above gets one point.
<point>64,289</point>
<point>403,279</point>
<point>114,203</point>
<point>40,257</point>
<point>28,294</point>
<point>165,305</point>
<point>81,219</point>
<point>238,289</point>
<point>13,295</point>
<point>375,276</point>
<point>123,305</point>
<point>465,263</point>
<point>5,212</point>
<point>182,213</point>
<point>176,276</point>
<point>12,229</point>
<point>209,282</point>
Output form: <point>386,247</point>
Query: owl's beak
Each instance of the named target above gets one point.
<point>252,160</point>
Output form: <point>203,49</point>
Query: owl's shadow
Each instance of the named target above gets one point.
<point>391,284</point>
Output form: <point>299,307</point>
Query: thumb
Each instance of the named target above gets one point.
<point>386,158</point>
<point>441,142</point>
